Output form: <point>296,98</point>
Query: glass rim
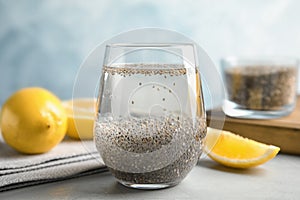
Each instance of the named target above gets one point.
<point>169,47</point>
<point>177,44</point>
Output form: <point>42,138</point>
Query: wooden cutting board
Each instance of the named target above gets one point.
<point>283,132</point>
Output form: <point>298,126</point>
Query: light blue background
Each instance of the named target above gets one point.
<point>43,43</point>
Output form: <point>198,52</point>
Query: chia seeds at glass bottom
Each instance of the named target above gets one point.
<point>150,151</point>
<point>261,87</point>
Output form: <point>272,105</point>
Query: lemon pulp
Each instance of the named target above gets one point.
<point>235,151</point>
<point>81,113</point>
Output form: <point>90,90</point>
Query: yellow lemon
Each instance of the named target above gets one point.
<point>33,120</point>
<point>235,151</point>
<point>81,113</point>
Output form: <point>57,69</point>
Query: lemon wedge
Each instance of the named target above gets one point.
<point>235,151</point>
<point>81,114</point>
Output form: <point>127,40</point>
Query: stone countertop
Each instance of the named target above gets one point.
<point>277,179</point>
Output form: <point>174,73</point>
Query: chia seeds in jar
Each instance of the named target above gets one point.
<point>266,88</point>
<point>150,150</point>
<point>151,120</point>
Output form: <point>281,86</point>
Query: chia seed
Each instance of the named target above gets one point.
<point>150,150</point>
<point>261,87</point>
<point>145,147</point>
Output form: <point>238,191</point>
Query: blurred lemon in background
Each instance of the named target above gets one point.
<point>81,114</point>
<point>33,120</point>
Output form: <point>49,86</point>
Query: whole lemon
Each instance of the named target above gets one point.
<point>33,120</point>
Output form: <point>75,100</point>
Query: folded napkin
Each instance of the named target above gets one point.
<point>69,159</point>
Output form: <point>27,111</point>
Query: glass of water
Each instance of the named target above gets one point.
<point>151,120</point>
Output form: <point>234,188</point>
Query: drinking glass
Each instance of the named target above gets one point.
<point>151,120</point>
<point>260,88</point>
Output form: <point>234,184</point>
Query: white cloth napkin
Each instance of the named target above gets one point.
<point>69,159</point>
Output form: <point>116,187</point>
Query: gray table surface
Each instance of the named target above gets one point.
<point>277,179</point>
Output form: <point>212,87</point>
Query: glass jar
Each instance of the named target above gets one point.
<point>151,120</point>
<point>260,88</point>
